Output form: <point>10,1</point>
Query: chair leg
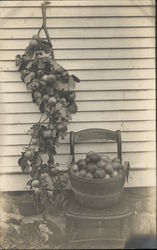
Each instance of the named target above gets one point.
<point>69,229</point>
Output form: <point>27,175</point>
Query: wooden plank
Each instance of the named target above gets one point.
<point>85,116</point>
<point>86,147</point>
<point>93,64</point>
<point>94,3</point>
<point>140,159</point>
<point>84,106</point>
<point>81,33</point>
<point>62,167</point>
<point>90,54</point>
<point>78,12</point>
<point>93,85</point>
<point>70,43</point>
<point>95,74</point>
<point>139,178</point>
<point>140,136</point>
<point>139,126</point>
<point>85,96</point>
<point>83,22</point>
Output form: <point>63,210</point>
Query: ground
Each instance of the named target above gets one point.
<point>21,227</point>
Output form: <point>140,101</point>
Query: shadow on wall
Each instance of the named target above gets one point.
<point>141,242</point>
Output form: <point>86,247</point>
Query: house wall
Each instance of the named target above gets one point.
<point>110,46</point>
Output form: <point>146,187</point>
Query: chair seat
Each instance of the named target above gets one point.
<point>121,210</point>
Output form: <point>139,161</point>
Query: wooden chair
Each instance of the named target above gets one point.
<point>77,217</point>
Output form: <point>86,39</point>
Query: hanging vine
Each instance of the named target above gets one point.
<point>52,90</point>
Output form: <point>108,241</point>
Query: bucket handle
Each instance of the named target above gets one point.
<point>126,169</point>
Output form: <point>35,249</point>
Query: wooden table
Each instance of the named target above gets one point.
<point>109,224</point>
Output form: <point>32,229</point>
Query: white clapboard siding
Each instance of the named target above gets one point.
<point>92,85</point>
<point>85,43</point>
<point>79,3</point>
<point>52,22</point>
<point>110,46</point>
<point>81,33</point>
<point>127,126</point>
<point>137,179</point>
<point>90,54</point>
<point>93,64</point>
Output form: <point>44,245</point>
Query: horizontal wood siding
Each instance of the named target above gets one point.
<point>110,46</point>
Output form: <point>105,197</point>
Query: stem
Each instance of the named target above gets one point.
<point>30,142</point>
<point>44,119</point>
<point>40,119</point>
<point>43,7</point>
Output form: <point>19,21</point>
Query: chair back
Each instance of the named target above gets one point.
<point>93,134</point>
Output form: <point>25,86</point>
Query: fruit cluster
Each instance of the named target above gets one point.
<point>97,166</point>
<point>52,90</point>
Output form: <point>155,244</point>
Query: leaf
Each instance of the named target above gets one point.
<point>69,116</point>
<point>18,60</point>
<point>29,182</point>
<point>44,158</point>
<point>57,67</point>
<point>28,78</point>
<point>42,107</point>
<point>57,143</point>
<point>71,83</point>
<point>61,86</point>
<point>76,79</point>
<point>29,65</point>
<point>45,46</point>
<point>41,65</point>
<point>63,112</point>
<point>30,51</point>
<point>24,73</point>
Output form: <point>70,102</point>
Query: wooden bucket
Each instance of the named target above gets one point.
<point>97,193</point>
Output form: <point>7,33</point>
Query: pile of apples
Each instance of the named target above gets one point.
<point>97,166</point>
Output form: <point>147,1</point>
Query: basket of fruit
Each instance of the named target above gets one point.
<point>97,181</point>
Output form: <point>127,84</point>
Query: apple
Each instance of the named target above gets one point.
<point>35,84</point>
<point>45,98</point>
<point>47,134</point>
<point>52,100</point>
<point>82,173</point>
<point>92,167</point>
<point>52,77</point>
<point>101,163</point>
<point>45,77</point>
<point>74,168</point>
<point>107,176</point>
<point>33,43</point>
<point>37,38</point>
<point>89,175</point>
<point>108,168</point>
<point>35,183</point>
<point>37,95</point>
<point>105,158</point>
<point>99,174</point>
<point>28,154</point>
<point>38,101</point>
<point>61,128</point>
<point>114,173</point>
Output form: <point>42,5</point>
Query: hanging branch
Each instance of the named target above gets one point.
<point>44,27</point>
<point>50,85</point>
